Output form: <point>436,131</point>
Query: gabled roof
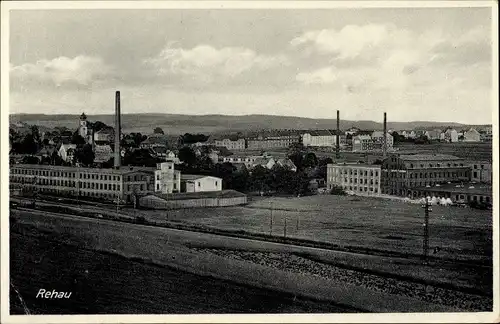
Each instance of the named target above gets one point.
<point>68,146</point>
<point>193,177</point>
<point>320,132</point>
<point>286,162</point>
<point>262,160</point>
<point>429,157</point>
<point>46,150</point>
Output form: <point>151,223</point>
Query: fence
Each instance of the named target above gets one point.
<point>154,202</point>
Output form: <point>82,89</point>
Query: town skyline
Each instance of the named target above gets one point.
<point>407,63</point>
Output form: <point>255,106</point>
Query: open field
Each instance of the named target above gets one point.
<point>463,234</point>
<point>174,248</point>
<point>103,283</point>
<point>469,151</point>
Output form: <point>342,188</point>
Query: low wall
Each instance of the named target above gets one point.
<point>154,202</point>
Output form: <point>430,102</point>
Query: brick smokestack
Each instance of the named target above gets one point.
<point>118,130</point>
<point>337,137</point>
<point>384,147</point>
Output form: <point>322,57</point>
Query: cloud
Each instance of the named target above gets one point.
<point>349,42</point>
<point>80,70</point>
<point>374,57</point>
<point>320,76</point>
<point>207,64</point>
<point>470,48</point>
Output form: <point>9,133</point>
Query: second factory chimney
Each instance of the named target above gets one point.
<point>384,147</point>
<point>118,129</point>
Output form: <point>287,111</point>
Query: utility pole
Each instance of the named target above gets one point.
<point>284,227</point>
<point>425,246</point>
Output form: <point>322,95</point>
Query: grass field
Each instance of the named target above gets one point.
<point>104,283</point>
<point>464,234</point>
<point>141,249</point>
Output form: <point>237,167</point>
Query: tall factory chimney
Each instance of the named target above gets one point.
<point>384,147</point>
<point>118,129</point>
<point>337,137</point>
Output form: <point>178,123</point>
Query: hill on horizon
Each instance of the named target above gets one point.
<point>180,124</point>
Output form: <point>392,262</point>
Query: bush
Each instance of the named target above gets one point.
<point>140,220</point>
<point>336,190</point>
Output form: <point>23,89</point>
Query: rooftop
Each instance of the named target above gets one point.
<point>429,157</point>
<point>121,170</point>
<point>354,164</point>
<point>192,177</point>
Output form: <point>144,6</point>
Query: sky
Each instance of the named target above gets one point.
<point>430,64</point>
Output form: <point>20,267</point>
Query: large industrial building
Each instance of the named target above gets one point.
<point>355,177</point>
<point>402,172</point>
<point>414,176</point>
<point>107,184</point>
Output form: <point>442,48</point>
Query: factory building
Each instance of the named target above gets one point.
<point>403,172</point>
<point>357,178</point>
<point>467,193</point>
<point>107,184</point>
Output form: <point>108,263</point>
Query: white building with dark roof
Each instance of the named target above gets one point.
<point>319,138</point>
<point>200,183</point>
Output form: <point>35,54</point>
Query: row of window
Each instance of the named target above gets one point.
<point>437,165</point>
<point>365,173</point>
<point>100,186</point>
<point>438,174</point>
<point>82,193</point>
<point>355,180</point>
<point>65,174</point>
<point>359,189</point>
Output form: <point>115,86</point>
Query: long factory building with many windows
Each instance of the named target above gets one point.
<point>124,183</point>
<point>108,184</point>
<point>354,177</point>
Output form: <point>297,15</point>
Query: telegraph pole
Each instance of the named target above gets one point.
<point>284,227</point>
<point>425,246</point>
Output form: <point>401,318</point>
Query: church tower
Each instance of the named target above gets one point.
<point>83,129</point>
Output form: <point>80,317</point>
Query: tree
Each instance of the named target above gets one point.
<point>188,138</point>
<point>36,134</point>
<point>28,145</point>
<point>140,157</point>
<point>158,130</point>
<point>77,139</point>
<point>310,160</point>
<point>97,125</point>
<point>298,183</point>
<point>260,179</point>
<point>30,159</point>
<point>336,190</point>
<point>321,169</point>
<point>187,155</point>
<point>296,148</point>
<point>55,159</point>
<point>84,155</point>
<point>225,172</point>
<point>240,180</point>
